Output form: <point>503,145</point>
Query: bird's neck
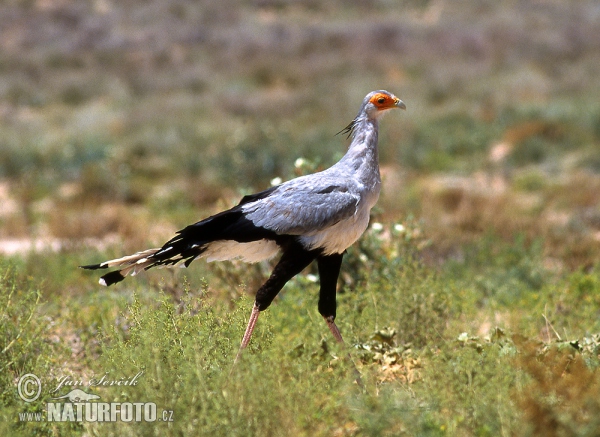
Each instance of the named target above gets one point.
<point>362,155</point>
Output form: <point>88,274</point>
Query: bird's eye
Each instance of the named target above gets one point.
<point>381,100</point>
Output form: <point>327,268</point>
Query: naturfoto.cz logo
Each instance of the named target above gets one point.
<point>80,406</point>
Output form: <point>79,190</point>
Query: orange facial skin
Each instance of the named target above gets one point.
<point>385,101</point>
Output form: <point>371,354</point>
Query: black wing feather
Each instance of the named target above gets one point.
<point>258,196</point>
<point>191,241</point>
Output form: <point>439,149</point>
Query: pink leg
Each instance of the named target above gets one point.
<point>334,329</point>
<point>336,333</point>
<point>249,330</point>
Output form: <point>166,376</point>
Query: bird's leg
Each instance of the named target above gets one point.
<point>248,333</point>
<point>294,259</point>
<point>250,327</point>
<point>334,329</point>
<point>329,270</point>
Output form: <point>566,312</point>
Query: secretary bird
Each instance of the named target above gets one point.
<point>316,216</point>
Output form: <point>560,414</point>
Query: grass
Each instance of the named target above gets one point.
<point>470,307</point>
<point>438,352</point>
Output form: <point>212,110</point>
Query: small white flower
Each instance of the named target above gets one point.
<point>363,257</point>
<point>399,227</point>
<point>312,278</point>
<point>276,181</point>
<point>377,227</point>
<point>463,337</point>
<point>299,162</point>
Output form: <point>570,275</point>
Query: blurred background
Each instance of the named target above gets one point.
<point>124,121</point>
<point>472,304</point>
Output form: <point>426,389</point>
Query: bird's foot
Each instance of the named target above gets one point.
<point>338,336</point>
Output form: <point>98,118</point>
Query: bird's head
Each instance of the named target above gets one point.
<point>377,102</point>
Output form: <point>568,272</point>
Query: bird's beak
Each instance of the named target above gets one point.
<point>399,103</point>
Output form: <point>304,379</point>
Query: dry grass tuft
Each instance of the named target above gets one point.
<point>563,395</point>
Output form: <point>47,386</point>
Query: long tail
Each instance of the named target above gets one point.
<point>186,246</point>
<point>227,235</point>
<point>133,265</point>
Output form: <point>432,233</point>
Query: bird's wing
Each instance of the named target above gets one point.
<point>303,206</point>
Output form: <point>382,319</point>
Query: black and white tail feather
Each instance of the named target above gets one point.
<point>223,236</point>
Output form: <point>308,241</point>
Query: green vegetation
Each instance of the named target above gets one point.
<point>471,308</point>
<point>440,351</point>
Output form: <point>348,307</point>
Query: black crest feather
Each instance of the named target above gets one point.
<point>349,129</point>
